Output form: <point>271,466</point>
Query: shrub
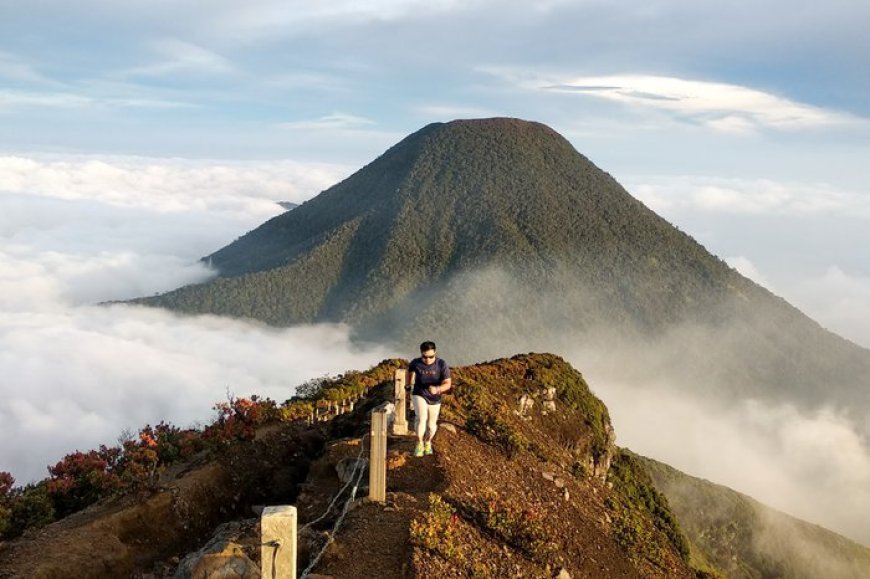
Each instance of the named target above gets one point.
<point>82,478</point>
<point>237,420</point>
<point>7,481</point>
<point>518,525</point>
<point>436,532</point>
<point>633,494</point>
<point>30,507</point>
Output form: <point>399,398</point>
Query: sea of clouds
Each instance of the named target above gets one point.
<point>78,231</point>
<point>75,232</point>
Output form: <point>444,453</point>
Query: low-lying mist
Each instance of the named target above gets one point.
<point>77,232</point>
<point>813,465</point>
<point>680,396</point>
<point>76,378</point>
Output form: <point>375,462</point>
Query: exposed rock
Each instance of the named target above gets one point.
<point>396,460</point>
<point>221,558</point>
<point>526,403</point>
<point>448,427</point>
<point>601,464</point>
<point>347,468</point>
<point>549,403</point>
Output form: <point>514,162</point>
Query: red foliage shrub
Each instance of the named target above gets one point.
<point>6,483</point>
<point>82,478</point>
<point>237,420</point>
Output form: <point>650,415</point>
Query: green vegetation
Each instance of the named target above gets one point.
<point>498,192</point>
<point>485,400</point>
<point>746,539</point>
<point>437,531</point>
<point>635,502</point>
<point>511,521</point>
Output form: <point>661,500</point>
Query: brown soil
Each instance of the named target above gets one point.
<point>374,540</point>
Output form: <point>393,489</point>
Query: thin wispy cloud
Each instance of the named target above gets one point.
<point>453,111</point>
<point>15,68</point>
<point>180,57</point>
<point>334,121</point>
<point>719,106</point>
<point>12,100</point>
<point>269,19</point>
<point>722,107</point>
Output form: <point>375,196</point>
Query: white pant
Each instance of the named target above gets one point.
<point>427,416</point>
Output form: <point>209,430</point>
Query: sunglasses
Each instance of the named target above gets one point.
<point>428,357</point>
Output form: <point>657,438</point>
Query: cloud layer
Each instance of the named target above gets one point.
<point>814,466</point>
<point>75,232</point>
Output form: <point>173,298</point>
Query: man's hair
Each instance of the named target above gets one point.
<point>426,346</point>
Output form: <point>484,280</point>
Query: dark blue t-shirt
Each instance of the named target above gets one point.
<point>428,375</point>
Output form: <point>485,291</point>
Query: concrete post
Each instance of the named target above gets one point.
<point>278,544</point>
<point>400,426</point>
<point>378,455</point>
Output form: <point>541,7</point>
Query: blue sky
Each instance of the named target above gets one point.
<point>638,86</point>
<point>137,136</point>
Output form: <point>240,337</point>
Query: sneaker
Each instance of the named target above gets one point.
<point>418,450</point>
<point>427,449</point>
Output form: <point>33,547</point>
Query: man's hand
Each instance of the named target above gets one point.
<point>434,390</point>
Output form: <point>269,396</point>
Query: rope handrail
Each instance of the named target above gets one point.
<point>331,536</point>
<point>342,489</point>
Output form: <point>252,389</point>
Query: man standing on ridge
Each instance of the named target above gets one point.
<point>429,377</point>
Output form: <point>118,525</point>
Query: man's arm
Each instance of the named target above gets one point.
<point>446,382</point>
<point>445,386</point>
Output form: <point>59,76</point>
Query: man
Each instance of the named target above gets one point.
<point>429,377</point>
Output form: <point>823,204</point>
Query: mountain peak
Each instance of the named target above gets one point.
<point>490,234</point>
<point>450,199</point>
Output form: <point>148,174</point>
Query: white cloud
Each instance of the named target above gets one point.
<point>746,196</point>
<point>788,237</point>
<point>14,68</point>
<point>275,18</point>
<point>169,184</point>
<point>77,231</point>
<point>720,106</point>
<point>334,121</point>
<point>453,111</point>
<point>15,99</point>
<point>77,378</point>
<point>839,300</point>
<point>183,57</point>
<point>815,466</point>
<point>10,99</point>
